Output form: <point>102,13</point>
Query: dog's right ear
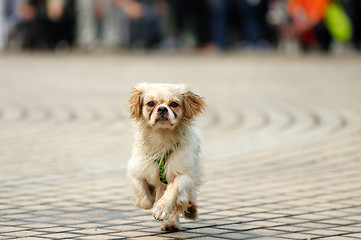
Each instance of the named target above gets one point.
<point>135,103</point>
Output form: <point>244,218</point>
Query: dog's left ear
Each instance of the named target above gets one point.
<point>134,104</point>
<point>193,104</point>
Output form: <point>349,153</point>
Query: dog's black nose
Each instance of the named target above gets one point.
<point>162,110</point>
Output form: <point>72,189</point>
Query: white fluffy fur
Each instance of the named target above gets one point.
<point>153,139</point>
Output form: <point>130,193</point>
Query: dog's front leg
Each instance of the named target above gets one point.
<point>178,188</point>
<point>143,197</point>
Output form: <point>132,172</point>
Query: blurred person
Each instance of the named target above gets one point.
<point>248,24</point>
<point>144,23</point>
<point>354,10</point>
<point>276,17</point>
<point>8,21</point>
<point>307,23</point>
<point>3,24</point>
<point>356,6</point>
<point>32,27</point>
<point>61,22</point>
<point>86,29</point>
<point>99,15</point>
<point>268,32</point>
<point>100,24</point>
<point>195,15</point>
<point>47,24</point>
<point>252,22</point>
<point>2,20</point>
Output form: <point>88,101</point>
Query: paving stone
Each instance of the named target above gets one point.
<point>355,235</point>
<point>33,238</point>
<point>341,238</point>
<point>235,235</point>
<point>20,234</point>
<point>305,236</point>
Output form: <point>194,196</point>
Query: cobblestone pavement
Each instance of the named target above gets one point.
<point>281,149</point>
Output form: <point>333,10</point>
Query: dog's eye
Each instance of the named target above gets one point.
<point>151,104</point>
<point>173,104</point>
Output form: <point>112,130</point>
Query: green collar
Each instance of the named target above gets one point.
<point>161,163</point>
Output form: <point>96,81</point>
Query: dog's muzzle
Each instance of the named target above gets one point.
<point>162,114</point>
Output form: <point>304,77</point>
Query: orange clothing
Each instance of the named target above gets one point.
<point>313,10</point>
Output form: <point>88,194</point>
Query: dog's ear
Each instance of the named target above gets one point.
<point>135,103</point>
<point>193,104</point>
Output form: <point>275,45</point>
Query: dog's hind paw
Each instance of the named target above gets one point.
<point>191,212</point>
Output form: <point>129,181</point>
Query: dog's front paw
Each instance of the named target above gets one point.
<point>170,227</point>
<point>161,212</point>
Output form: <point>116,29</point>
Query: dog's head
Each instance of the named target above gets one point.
<point>164,105</point>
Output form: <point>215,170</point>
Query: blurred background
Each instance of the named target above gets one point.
<point>178,25</point>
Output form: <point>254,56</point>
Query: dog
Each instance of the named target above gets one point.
<point>164,170</point>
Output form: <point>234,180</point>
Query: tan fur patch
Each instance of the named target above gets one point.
<point>193,105</point>
<point>191,212</point>
<point>134,104</point>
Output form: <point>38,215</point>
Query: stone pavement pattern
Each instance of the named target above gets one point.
<point>281,149</point>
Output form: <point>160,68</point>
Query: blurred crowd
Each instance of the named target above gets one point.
<point>206,25</point>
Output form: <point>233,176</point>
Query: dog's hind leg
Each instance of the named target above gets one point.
<point>191,212</point>
<point>144,195</point>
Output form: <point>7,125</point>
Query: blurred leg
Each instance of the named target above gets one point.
<point>323,35</point>
<point>219,22</point>
<point>178,12</point>
<point>86,28</point>
<point>249,24</point>
<point>202,16</point>
<point>356,21</point>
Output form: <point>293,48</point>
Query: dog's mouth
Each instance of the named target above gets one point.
<point>162,119</point>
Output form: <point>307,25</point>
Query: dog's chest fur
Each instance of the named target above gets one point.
<point>151,146</point>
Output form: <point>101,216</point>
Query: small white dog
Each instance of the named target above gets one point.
<point>165,170</point>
